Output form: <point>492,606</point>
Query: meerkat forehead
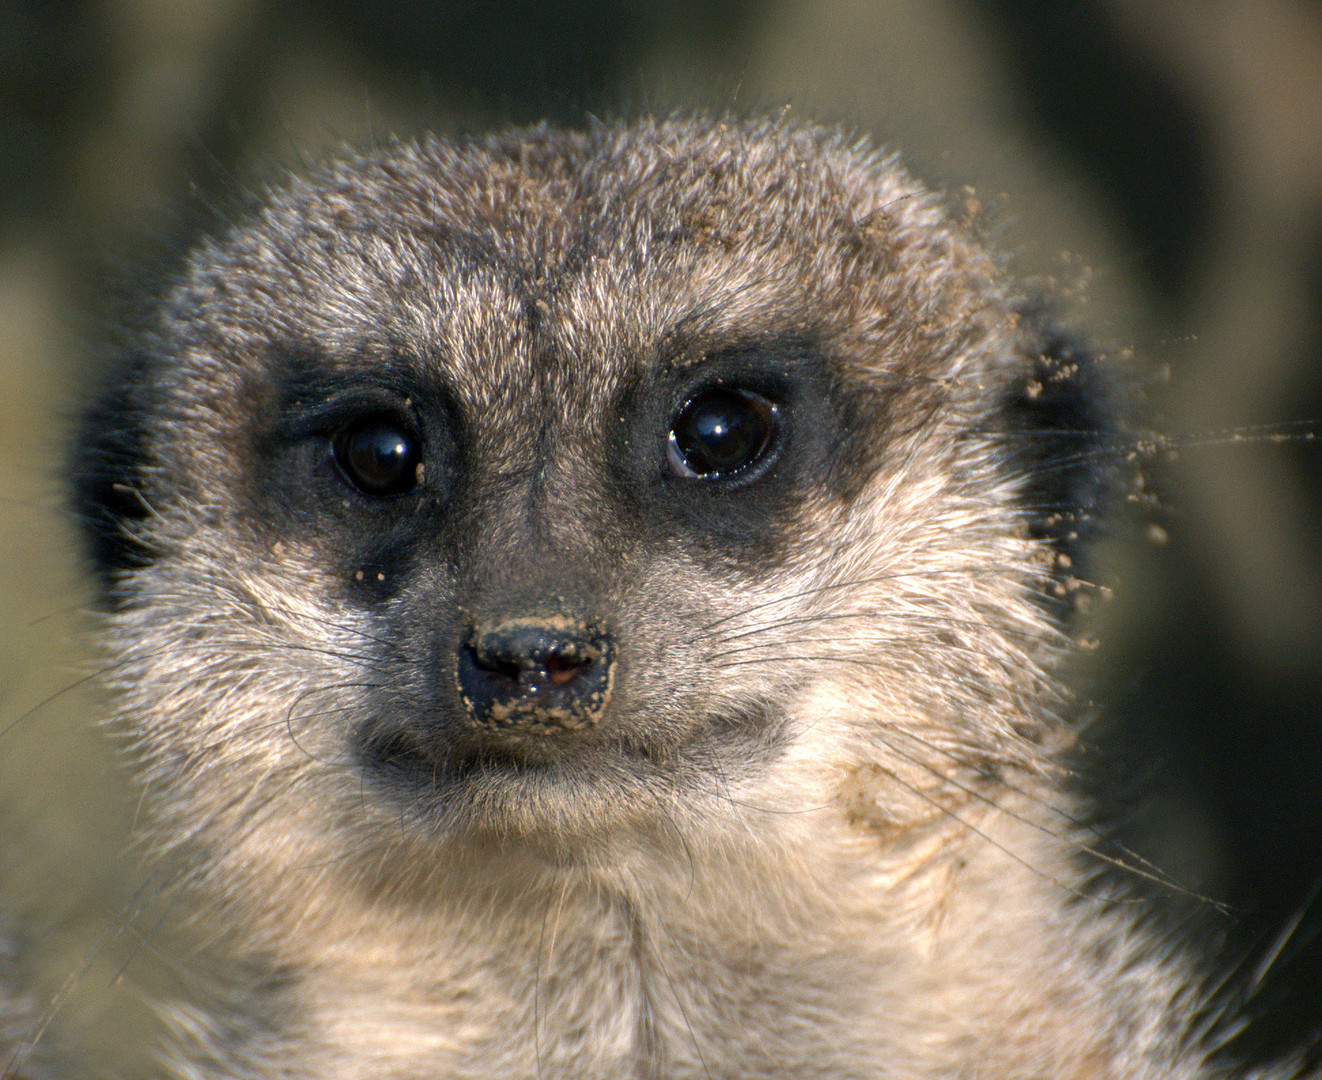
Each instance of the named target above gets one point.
<point>545,255</point>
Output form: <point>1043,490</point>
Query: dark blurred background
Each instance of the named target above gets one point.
<point>1158,163</point>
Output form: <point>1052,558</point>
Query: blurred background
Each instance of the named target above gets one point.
<point>1157,163</point>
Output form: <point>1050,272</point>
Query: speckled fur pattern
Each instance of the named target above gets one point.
<point>819,829</point>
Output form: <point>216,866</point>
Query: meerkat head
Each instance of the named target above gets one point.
<point>554,487</point>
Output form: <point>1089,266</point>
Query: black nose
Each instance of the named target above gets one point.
<point>536,675</point>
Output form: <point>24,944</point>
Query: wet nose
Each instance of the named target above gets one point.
<point>536,675</point>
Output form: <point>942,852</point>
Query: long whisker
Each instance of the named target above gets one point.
<point>1157,877</point>
<point>1131,860</point>
<point>835,586</point>
<point>942,621</point>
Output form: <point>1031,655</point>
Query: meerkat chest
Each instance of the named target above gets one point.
<point>593,996</point>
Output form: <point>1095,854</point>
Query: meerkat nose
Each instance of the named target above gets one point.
<point>536,675</point>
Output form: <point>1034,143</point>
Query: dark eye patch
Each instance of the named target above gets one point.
<point>385,432</point>
<point>722,443</point>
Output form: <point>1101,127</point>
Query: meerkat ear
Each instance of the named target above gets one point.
<point>1065,428</point>
<point>108,487</point>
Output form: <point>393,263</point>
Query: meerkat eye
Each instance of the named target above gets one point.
<point>720,432</point>
<point>379,455</point>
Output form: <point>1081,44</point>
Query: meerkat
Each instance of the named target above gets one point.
<point>592,604</point>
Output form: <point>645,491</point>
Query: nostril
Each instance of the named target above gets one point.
<point>562,670</point>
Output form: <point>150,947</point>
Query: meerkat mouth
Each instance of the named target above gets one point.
<point>533,776</point>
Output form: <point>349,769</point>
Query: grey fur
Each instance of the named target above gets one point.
<point>819,829</point>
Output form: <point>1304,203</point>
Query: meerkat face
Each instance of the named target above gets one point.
<point>562,485</point>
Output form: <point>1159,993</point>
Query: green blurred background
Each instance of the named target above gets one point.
<point>1159,162</point>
